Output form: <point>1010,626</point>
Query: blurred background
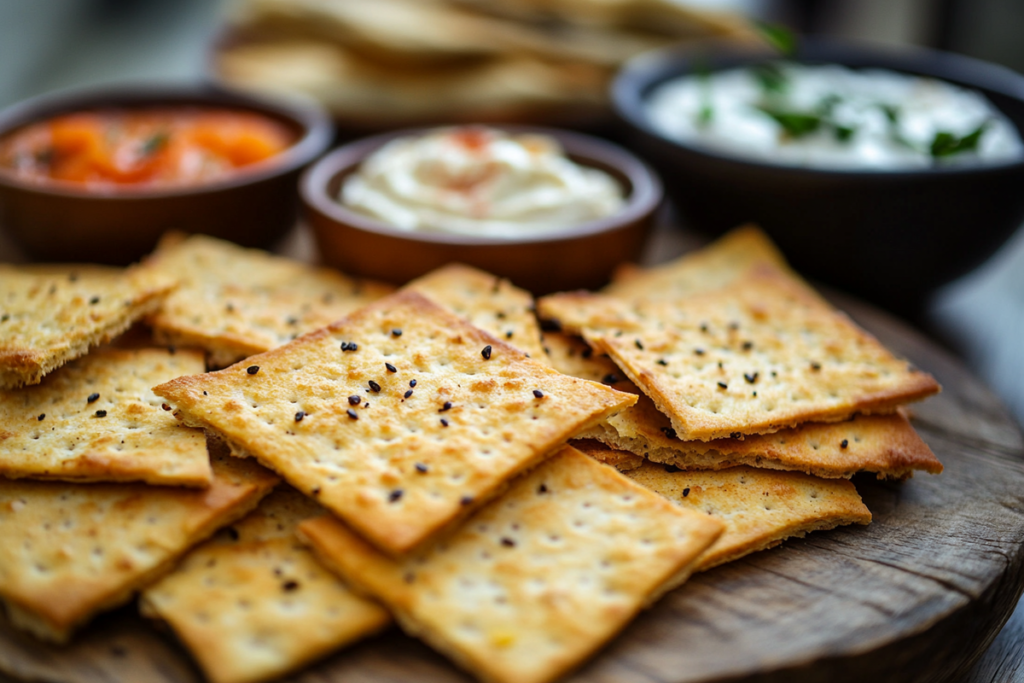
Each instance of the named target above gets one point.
<point>48,45</point>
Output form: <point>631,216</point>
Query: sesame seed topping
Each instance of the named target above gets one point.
<point>747,345</point>
<point>299,415</point>
<point>354,400</point>
<point>444,422</point>
<point>638,343</point>
<point>845,443</point>
<point>686,492</point>
<point>408,393</point>
<point>508,542</point>
<point>750,377</point>
<point>661,361</point>
<point>543,488</point>
<point>395,495</point>
<point>703,327</point>
<point>292,320</point>
<point>252,369</point>
<point>412,383</point>
<point>101,413</point>
<point>537,393</point>
<point>421,468</point>
<point>610,378</point>
<point>734,326</point>
<point>95,300</point>
<point>466,500</point>
<point>374,387</point>
<point>447,406</point>
<point>508,334</point>
<point>316,491</point>
<point>396,332</point>
<point>92,398</point>
<point>486,353</point>
<point>290,585</point>
<point>205,393</point>
<point>42,416</point>
<point>390,367</point>
<point>723,385</point>
<point>699,352</point>
<point>352,346</point>
<point>352,414</point>
<point>165,406</point>
<point>815,366</point>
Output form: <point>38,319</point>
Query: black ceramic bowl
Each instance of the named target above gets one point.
<point>892,237</point>
<point>255,206</point>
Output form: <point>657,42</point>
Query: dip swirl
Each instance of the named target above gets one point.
<point>479,181</point>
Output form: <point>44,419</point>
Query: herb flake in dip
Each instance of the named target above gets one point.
<point>479,181</point>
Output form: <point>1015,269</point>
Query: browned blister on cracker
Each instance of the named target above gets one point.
<point>760,508</point>
<point>534,583</point>
<point>401,418</point>
<point>50,315</point>
<point>235,302</point>
<point>97,419</point>
<point>70,551</point>
<point>252,603</point>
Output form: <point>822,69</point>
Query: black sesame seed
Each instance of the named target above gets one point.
<point>639,344</point>
<point>444,422</point>
<point>396,332</point>
<point>845,443</point>
<point>723,385</point>
<point>686,492</point>
<point>669,432</point>
<point>95,300</point>
<point>747,345</point>
<point>352,414</point>
<point>42,416</point>
<point>750,377</point>
<point>754,394</point>
<point>486,353</point>
<point>165,406</point>
<point>508,334</point>
<point>587,352</point>
<point>101,413</point>
<point>465,500</point>
<point>703,327</point>
<point>408,393</point>
<point>299,415</point>
<point>292,320</point>
<point>230,308</point>
<point>206,393</point>
<point>610,378</point>
<point>543,488</point>
<point>395,495</point>
<point>719,365</point>
<point>352,346</point>
<point>412,383</point>
<point>354,400</point>
<point>500,315</point>
<point>252,369</point>
<point>390,367</point>
<point>344,346</point>
<point>374,387</point>
<point>5,317</point>
<point>447,406</point>
<point>699,352</point>
<point>661,361</point>
<point>421,468</point>
<point>366,405</point>
<point>233,533</point>
<point>508,542</point>
<point>316,491</point>
<point>815,366</point>
<point>537,393</point>
<point>734,326</point>
<point>92,398</point>
<point>290,585</point>
<point>671,469</point>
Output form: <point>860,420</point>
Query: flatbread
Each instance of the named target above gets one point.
<point>252,603</point>
<point>50,315</point>
<point>759,355</point>
<point>887,445</point>
<point>235,302</point>
<point>490,302</point>
<point>72,551</point>
<point>96,419</point>
<point>760,508</point>
<point>537,581</point>
<point>397,463</point>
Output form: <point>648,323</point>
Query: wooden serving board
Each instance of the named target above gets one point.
<point>915,596</point>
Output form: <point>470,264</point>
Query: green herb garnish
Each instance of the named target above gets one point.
<point>778,36</point>
<point>707,111</point>
<point>796,123</point>
<point>154,144</point>
<point>771,77</point>
<point>946,144</point>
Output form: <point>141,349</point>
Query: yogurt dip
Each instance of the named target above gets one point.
<point>479,181</point>
<point>832,117</point>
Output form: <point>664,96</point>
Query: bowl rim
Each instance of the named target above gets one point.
<point>644,198</point>
<point>644,73</point>
<point>315,126</point>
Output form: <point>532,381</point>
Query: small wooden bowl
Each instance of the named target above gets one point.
<point>581,256</point>
<point>62,221</point>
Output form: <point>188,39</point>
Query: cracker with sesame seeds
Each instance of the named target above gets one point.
<point>760,508</point>
<point>50,315</point>
<point>96,419</point>
<point>235,302</point>
<point>759,355</point>
<point>399,435</point>
<point>490,302</point>
<point>534,583</point>
<point>253,604</point>
<point>72,551</point>
<point>887,445</point>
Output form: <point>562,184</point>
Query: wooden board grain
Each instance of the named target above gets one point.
<point>916,596</point>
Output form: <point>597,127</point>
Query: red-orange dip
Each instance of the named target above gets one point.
<point>145,148</point>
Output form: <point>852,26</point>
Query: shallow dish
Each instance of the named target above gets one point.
<point>892,236</point>
<point>579,256</point>
<point>254,206</point>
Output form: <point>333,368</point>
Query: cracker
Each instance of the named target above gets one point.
<point>235,302</point>
<point>71,551</point>
<point>253,604</point>
<point>537,581</point>
<point>397,463</point>
<point>96,419</point>
<point>887,445</point>
<point>759,355</point>
<point>50,315</point>
<point>490,302</point>
<point>760,508</point>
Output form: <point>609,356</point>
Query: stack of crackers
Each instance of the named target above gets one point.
<point>368,456</point>
<point>402,62</point>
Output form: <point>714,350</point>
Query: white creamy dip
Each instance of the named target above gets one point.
<point>479,181</point>
<point>834,117</point>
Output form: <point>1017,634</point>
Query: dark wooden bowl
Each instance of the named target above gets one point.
<point>581,256</point>
<point>63,221</point>
<point>891,237</point>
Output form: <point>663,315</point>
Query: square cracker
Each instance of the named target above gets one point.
<point>490,302</point>
<point>71,551</point>
<point>759,355</point>
<point>52,314</point>
<point>760,508</point>
<point>235,302</point>
<point>397,463</point>
<point>538,580</point>
<point>253,604</point>
<point>887,445</point>
<point>54,430</point>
